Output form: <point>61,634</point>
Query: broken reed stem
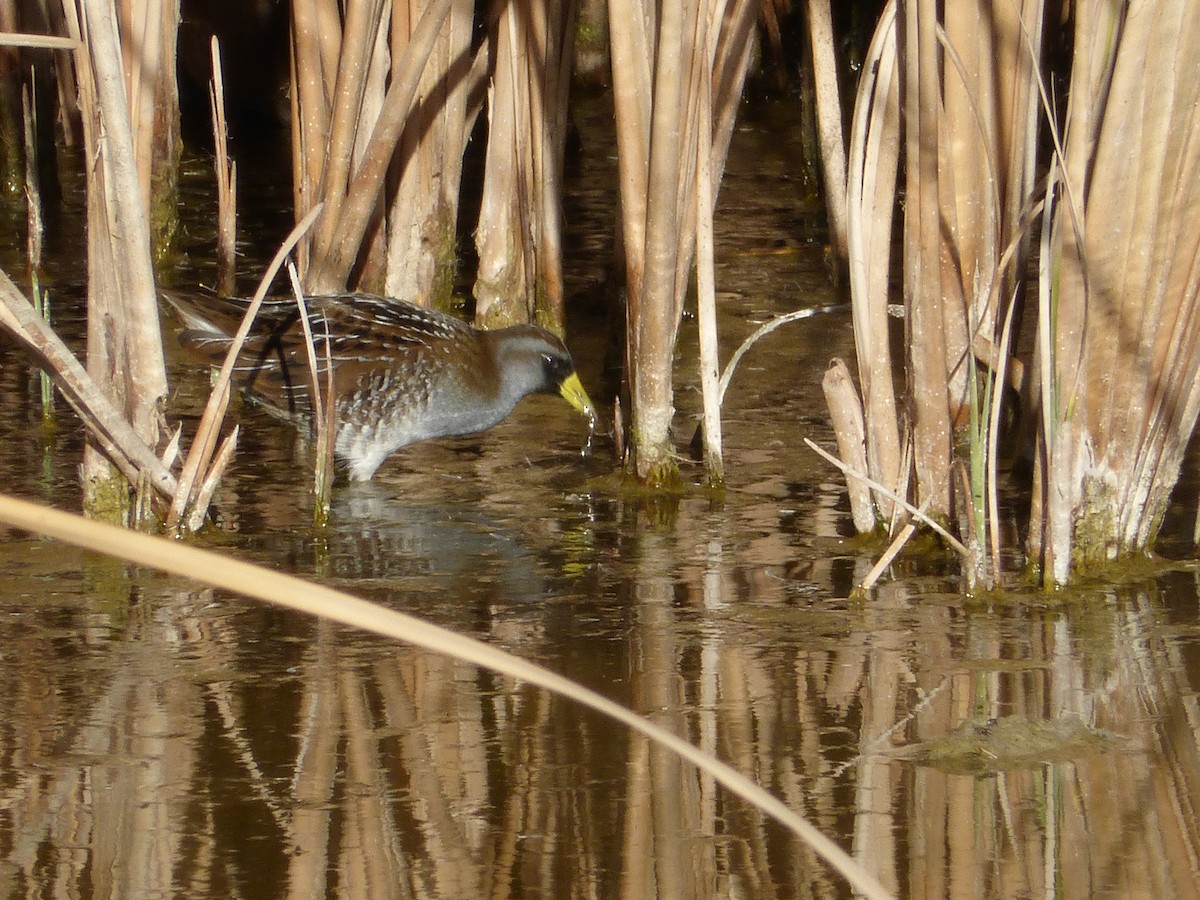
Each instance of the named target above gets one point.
<point>892,550</point>
<point>846,413</point>
<point>212,480</point>
<point>198,458</point>
<point>918,514</point>
<point>226,171</point>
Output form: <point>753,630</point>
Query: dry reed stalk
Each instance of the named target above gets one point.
<point>706,291</point>
<point>1122,346</point>
<point>1005,370</point>
<point>970,135</point>
<point>44,19</point>
<point>12,76</point>
<point>550,159</point>
<point>927,340</point>
<point>43,41</point>
<point>355,59</point>
<point>323,404</point>
<point>226,170</point>
<point>845,410</point>
<point>505,274</point>
<point>325,445</point>
<point>149,32</point>
<point>873,159</point>
<point>330,264</point>
<point>629,31</point>
<point>141,26</point>
<point>1043,544</point>
<point>422,215</point>
<point>989,74</point>
<point>309,115</point>
<point>34,223</point>
<point>124,340</point>
<point>212,480</point>
<point>735,46</point>
<point>657,137</point>
<point>829,122</point>
<point>106,424</point>
<point>903,536</point>
<point>733,28</point>
<point>631,101</point>
<point>993,434</point>
<point>519,235</point>
<point>652,333</point>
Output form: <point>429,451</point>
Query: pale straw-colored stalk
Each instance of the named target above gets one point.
<point>226,171</point>
<point>706,299</point>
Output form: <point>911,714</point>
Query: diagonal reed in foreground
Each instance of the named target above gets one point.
<point>313,599</point>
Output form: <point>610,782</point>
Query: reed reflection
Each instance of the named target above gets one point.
<point>167,740</point>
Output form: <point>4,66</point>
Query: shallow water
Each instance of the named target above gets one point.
<point>166,739</point>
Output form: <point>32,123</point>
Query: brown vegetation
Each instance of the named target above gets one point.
<point>1115,398</point>
<point>952,111</point>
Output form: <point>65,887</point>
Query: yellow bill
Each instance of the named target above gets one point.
<point>573,392</point>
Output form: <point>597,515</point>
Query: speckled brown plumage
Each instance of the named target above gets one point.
<point>401,373</point>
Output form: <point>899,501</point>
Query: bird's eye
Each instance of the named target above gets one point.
<point>555,366</point>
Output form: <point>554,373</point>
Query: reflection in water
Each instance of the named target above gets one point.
<point>178,742</point>
<point>383,540</point>
<point>164,740</point>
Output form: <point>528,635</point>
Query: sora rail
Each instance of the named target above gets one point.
<point>401,373</point>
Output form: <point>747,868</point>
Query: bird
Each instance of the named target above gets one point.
<point>402,373</point>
